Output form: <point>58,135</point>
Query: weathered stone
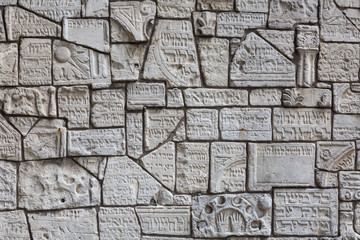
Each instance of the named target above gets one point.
<point>141,94</point>
<point>172,56</point>
<point>74,104</point>
<point>214,61</point>
<point>204,23</point>
<point>307,45</point>
<point>202,124</point>
<point>175,98</point>
<point>354,16</point>
<point>56,184</point>
<point>265,97</point>
<point>133,186</point>
<point>132,21</point>
<point>346,100</point>
<point>208,97</point>
<point>47,139</point>
<point>35,61</point>
<point>134,134</point>
<point>64,224</point>
<point>54,9</point>
<point>252,6</point>
<point>347,226</point>
<point>108,108</point>
<point>182,200</point>
<point>126,61</point>
<point>180,134</point>
<point>211,5</point>
<point>23,124</point>
<point>227,167</point>
<point>231,215</point>
<point>173,220</point>
<point>306,212</point>
<point>234,24</point>
<point>302,124</point>
<point>8,2</point>
<point>252,124</point>
<point>95,165</point>
<point>285,14</point>
<point>8,182</point>
<point>348,3</point>
<point>280,164</point>
<point>307,97</point>
<point>92,33</point>
<point>334,156</point>
<point>161,164</point>
<point>9,64</point>
<point>96,142</point>
<point>164,238</point>
<point>73,65</point>
<point>10,142</point>
<point>348,184</point>
<point>95,8</point>
<point>13,225</point>
<point>250,65</point>
<point>2,28</point>
<point>175,8</point>
<point>346,127</point>
<point>192,167</point>
<point>119,223</point>
<point>326,179</point>
<point>339,62</point>
<point>282,40</point>
<point>22,23</point>
<point>159,124</point>
<point>334,26</point>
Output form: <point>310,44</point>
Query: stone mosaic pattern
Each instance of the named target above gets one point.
<point>180,119</point>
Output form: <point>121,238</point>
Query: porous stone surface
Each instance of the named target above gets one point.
<point>179,119</point>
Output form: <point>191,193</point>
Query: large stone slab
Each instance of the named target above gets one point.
<point>265,97</point>
<point>307,97</point>
<point>175,8</point>
<point>9,64</point>
<point>335,156</point>
<point>8,182</point>
<point>252,6</point>
<point>231,215</point>
<point>282,40</point>
<point>126,183</point>
<point>301,124</point>
<point>257,64</point>
<point>202,124</point>
<point>64,224</point>
<point>227,167</point>
<point>10,141</point>
<point>141,94</point>
<point>172,55</point>
<point>13,225</point>
<point>346,100</point>
<point>280,164</point>
<point>109,141</point>
<point>56,184</point>
<point>252,124</point>
<point>348,185</point>
<point>134,134</point>
<point>346,127</point>
<point>211,5</point>
<point>306,212</point>
<point>95,165</point>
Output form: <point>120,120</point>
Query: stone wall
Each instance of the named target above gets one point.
<point>179,119</point>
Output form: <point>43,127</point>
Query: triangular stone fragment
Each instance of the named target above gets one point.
<point>161,164</point>
<point>10,141</point>
<point>180,134</point>
<point>257,64</point>
<point>95,165</point>
<point>23,124</point>
<point>282,40</point>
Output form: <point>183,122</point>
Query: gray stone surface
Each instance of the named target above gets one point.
<point>175,8</point>
<point>14,225</point>
<point>8,185</point>
<point>9,64</point>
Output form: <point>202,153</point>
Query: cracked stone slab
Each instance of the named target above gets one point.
<point>142,94</point>
<point>56,184</point>
<point>354,16</point>
<point>175,8</point>
<point>10,139</point>
<point>335,156</point>
<point>134,134</point>
<point>23,124</point>
<point>95,165</point>
<point>9,64</point>
<point>14,225</point>
<point>282,40</point>
<point>8,185</point>
<point>346,100</point>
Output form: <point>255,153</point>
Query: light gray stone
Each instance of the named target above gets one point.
<point>285,14</point>
<point>307,97</point>
<point>95,8</point>
<point>174,220</point>
<point>231,215</point>
<point>108,108</point>
<point>23,124</point>
<point>182,200</point>
<point>175,98</point>
<point>56,184</point>
<point>119,223</point>
<point>9,64</point>
<point>210,97</point>
<point>134,134</point>
<point>74,105</point>
<point>211,5</point>
<point>227,167</point>
<point>95,165</point>
<point>92,33</point>
<point>10,141</point>
<point>202,124</point>
<point>250,65</point>
<point>335,156</point>
<point>346,127</point>
<point>8,2</point>
<point>348,3</point>
<point>265,97</point>
<point>64,224</point>
<point>306,212</point>
<point>192,167</point>
<point>136,27</point>
<point>252,124</point>
<point>23,23</point>
<point>13,225</point>
<point>172,56</point>
<point>346,100</point>
<point>353,15</point>
<point>96,142</point>
<point>214,61</point>
<point>348,185</point>
<point>252,6</point>
<point>325,179</point>
<point>164,238</point>
<point>133,186</point>
<point>35,61</point>
<point>280,164</point>
<point>180,134</point>
<point>2,28</point>
<point>301,124</point>
<point>141,94</point>
<point>161,164</point>
<point>204,23</point>
<point>175,8</point>
<point>8,185</point>
<point>339,62</point>
<point>282,40</point>
<point>47,139</point>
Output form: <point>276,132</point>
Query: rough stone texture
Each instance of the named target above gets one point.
<point>265,97</point>
<point>202,124</point>
<point>335,156</point>
<point>8,177</point>
<point>9,64</point>
<point>13,225</point>
<point>95,8</point>
<point>141,94</point>
<point>210,5</point>
<point>175,8</point>
<point>307,97</point>
<point>10,141</point>
<point>282,40</point>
